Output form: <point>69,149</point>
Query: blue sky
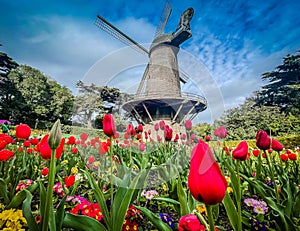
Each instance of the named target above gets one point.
<point>234,41</point>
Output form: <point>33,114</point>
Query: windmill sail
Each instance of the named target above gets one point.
<point>103,24</point>
<point>163,19</point>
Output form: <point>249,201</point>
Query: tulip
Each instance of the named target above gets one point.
<point>84,136</point>
<point>263,141</point>
<point>206,181</point>
<point>190,222</point>
<point>45,171</point>
<point>207,138</point>
<point>45,150</point>
<point>23,131</point>
<point>140,128</point>
<point>276,145</point>
<point>255,152</point>
<point>188,125</point>
<point>156,127</point>
<point>6,154</point>
<point>284,157</point>
<point>55,135</point>
<point>69,180</point>
<point>241,151</point>
<point>292,156</point>
<point>108,123</point>
<point>162,124</point>
<point>168,133</point>
<point>71,140</point>
<point>220,132</point>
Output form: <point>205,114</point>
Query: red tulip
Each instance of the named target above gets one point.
<point>142,146</point>
<point>241,151</point>
<point>207,138</point>
<point>71,140</point>
<point>69,180</point>
<point>263,141</point>
<point>156,127</point>
<point>140,128</point>
<point>84,136</point>
<point>6,154</point>
<point>284,157</point>
<point>129,129</point>
<point>2,144</point>
<point>188,125</point>
<point>109,127</point>
<point>220,132</point>
<point>23,131</point>
<point>206,181</point>
<point>74,150</point>
<point>34,141</point>
<point>190,222</point>
<point>255,152</point>
<point>292,156</point>
<point>162,124</point>
<point>45,171</point>
<point>103,148</point>
<point>168,133</point>
<point>45,150</point>
<point>26,143</point>
<point>276,145</point>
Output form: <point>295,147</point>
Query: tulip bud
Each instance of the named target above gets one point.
<point>263,141</point>
<point>241,151</point>
<point>55,136</point>
<point>276,145</point>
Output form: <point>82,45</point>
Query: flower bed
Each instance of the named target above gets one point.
<point>132,182</point>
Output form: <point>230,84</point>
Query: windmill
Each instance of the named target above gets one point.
<point>159,95</point>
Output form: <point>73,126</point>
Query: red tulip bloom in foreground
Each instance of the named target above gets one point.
<point>241,151</point>
<point>109,127</point>
<point>45,150</point>
<point>190,222</point>
<point>220,132</point>
<point>276,145</point>
<point>263,141</point>
<point>69,180</point>
<point>23,131</point>
<point>206,181</point>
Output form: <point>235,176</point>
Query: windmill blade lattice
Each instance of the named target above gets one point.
<point>163,19</point>
<point>103,24</point>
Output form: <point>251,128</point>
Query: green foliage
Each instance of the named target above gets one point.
<point>245,120</point>
<point>36,99</point>
<point>283,86</point>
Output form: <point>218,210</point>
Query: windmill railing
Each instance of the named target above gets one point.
<point>158,95</point>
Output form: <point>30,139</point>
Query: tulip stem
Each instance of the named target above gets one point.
<point>272,176</point>
<point>49,202</point>
<point>210,217</point>
<point>238,196</point>
<point>111,174</point>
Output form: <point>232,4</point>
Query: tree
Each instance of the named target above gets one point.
<point>283,89</point>
<point>39,101</point>
<point>7,88</point>
<point>245,120</point>
<point>92,102</point>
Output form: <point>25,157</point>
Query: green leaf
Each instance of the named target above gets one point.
<point>100,199</point>
<point>3,191</point>
<point>182,198</point>
<point>26,209</point>
<point>119,215</point>
<point>296,206</point>
<point>60,213</point>
<point>42,198</point>
<point>169,200</point>
<point>231,211</point>
<point>81,223</point>
<point>235,182</point>
<point>156,221</point>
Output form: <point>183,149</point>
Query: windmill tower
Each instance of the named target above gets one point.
<point>159,95</point>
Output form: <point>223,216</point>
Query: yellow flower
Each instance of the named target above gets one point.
<point>65,162</point>
<point>201,209</point>
<point>1,207</point>
<point>74,170</point>
<point>164,187</point>
<point>96,163</point>
<point>229,190</point>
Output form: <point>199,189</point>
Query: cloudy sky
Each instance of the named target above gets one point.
<point>233,42</point>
